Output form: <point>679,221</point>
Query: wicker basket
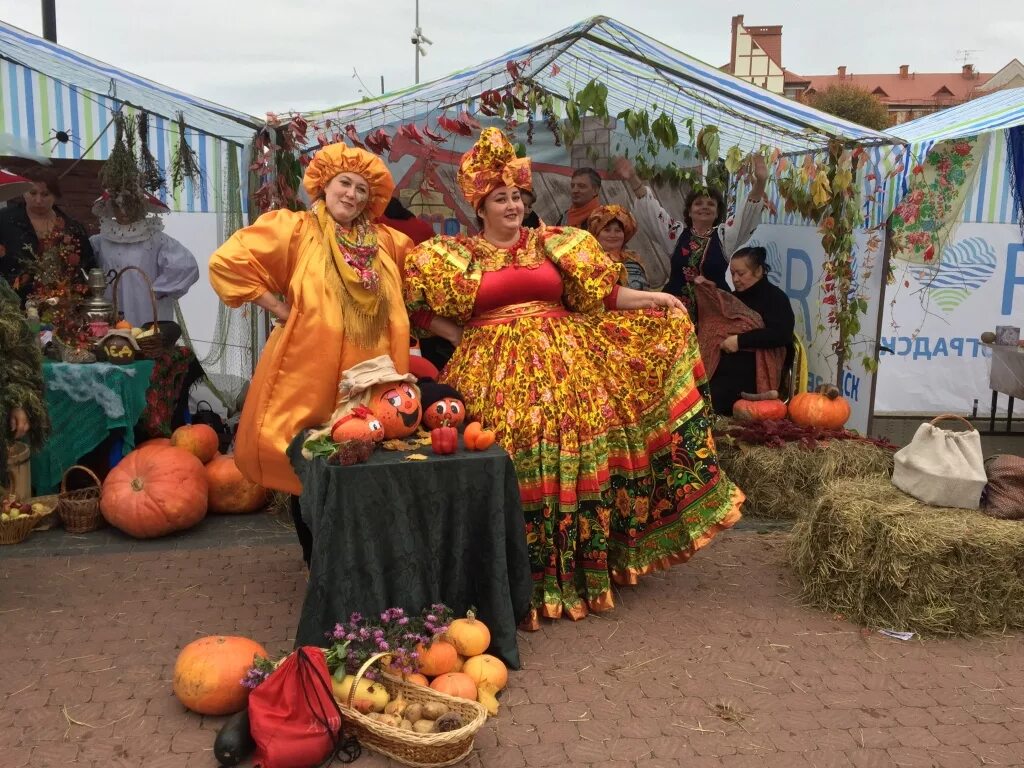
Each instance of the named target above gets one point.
<point>149,346</point>
<point>15,531</point>
<point>420,750</point>
<point>79,510</point>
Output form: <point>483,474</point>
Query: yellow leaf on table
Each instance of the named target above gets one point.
<point>416,457</point>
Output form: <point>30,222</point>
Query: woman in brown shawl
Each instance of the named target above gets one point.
<point>745,336</point>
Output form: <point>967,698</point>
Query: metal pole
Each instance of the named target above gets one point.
<point>50,20</point>
<point>416,45</point>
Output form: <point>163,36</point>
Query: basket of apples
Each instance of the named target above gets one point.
<point>17,519</point>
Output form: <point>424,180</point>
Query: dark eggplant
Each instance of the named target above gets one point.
<point>234,741</point>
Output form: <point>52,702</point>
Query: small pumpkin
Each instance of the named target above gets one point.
<point>758,410</point>
<point>357,424</point>
<point>447,412</point>
<point>397,407</point>
<point>416,679</point>
<point>154,491</point>
<point>437,658</point>
<point>470,636</point>
<point>208,673</point>
<point>487,670</point>
<point>122,325</point>
<point>230,492</point>
<point>455,684</point>
<point>824,409</point>
<point>198,439</point>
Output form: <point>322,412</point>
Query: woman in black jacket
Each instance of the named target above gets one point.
<point>26,231</point>
<point>737,369</point>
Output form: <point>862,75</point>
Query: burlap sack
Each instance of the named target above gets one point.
<point>1004,493</point>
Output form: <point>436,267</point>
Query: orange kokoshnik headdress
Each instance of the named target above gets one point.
<point>490,164</point>
<point>333,159</point>
<point>606,214</point>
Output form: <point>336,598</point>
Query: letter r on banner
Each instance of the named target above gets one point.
<point>800,294</point>
<point>1013,277</point>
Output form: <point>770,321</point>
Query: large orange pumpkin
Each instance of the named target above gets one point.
<point>487,670</point>
<point>155,441</point>
<point>208,673</point>
<point>230,492</point>
<point>154,491</point>
<point>198,439</point>
<point>825,409</point>
<point>397,407</point>
<point>455,684</point>
<point>438,658</point>
<point>470,636</point>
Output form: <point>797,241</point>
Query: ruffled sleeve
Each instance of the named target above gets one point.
<point>588,274</point>
<point>440,279</point>
<point>258,259</point>
<point>177,270</point>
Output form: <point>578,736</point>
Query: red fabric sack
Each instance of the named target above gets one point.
<point>294,718</point>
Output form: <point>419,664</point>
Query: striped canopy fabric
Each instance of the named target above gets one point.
<point>46,88</point>
<point>995,112</point>
<point>991,200</point>
<point>640,72</point>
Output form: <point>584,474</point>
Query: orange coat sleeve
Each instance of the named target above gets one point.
<point>257,259</point>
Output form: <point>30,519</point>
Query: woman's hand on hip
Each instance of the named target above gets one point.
<point>279,309</point>
<point>18,423</point>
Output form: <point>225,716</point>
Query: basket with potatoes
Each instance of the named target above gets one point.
<point>412,724</point>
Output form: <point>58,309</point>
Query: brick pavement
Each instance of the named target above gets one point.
<point>712,665</point>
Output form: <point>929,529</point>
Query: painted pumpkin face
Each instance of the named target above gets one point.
<point>397,407</point>
<point>354,427</point>
<point>445,412</point>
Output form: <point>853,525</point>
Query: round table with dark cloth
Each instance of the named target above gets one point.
<point>399,533</point>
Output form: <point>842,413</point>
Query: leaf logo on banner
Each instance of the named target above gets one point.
<point>964,267</point>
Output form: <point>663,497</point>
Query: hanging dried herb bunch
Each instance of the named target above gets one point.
<point>120,175</point>
<point>185,163</point>
<point>152,177</point>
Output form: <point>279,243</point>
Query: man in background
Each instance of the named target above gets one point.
<point>584,191</point>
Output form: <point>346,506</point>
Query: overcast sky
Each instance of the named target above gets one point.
<point>257,55</point>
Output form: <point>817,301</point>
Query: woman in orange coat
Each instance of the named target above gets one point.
<point>329,276</point>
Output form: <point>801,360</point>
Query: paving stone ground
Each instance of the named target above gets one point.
<point>711,665</point>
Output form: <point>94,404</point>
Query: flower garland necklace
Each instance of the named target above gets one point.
<point>358,246</point>
<point>522,253</point>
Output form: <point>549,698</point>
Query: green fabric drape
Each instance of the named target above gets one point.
<point>397,533</point>
<point>81,422</point>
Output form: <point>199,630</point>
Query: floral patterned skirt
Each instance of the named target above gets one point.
<point>606,419</point>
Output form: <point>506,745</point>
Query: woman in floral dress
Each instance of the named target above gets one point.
<point>601,411</point>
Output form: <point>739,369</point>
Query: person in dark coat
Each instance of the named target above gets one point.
<point>737,368</point>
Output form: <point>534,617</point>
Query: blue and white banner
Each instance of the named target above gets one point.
<point>935,315</point>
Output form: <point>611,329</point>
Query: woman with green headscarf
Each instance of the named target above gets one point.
<point>22,408</point>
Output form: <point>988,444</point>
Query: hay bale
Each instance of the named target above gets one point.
<point>883,559</point>
<point>785,483</point>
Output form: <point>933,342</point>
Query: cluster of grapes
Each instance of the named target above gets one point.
<point>351,452</point>
<point>529,126</point>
